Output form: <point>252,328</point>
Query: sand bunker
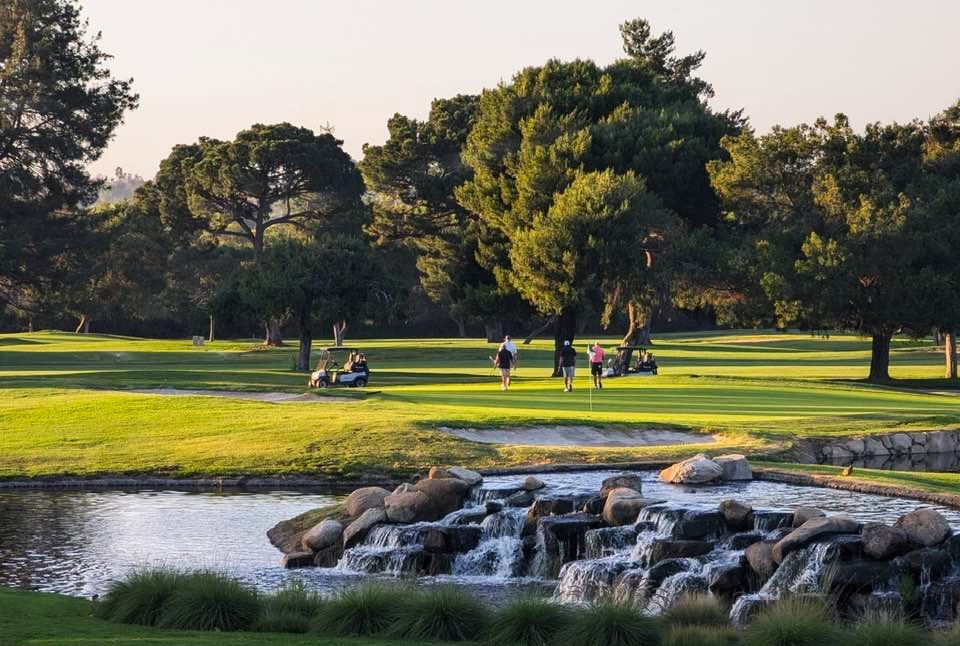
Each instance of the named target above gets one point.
<point>577,436</point>
<point>271,398</point>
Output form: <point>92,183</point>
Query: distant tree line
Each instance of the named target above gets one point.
<point>575,195</point>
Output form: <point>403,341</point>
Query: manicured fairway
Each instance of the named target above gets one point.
<point>60,412</point>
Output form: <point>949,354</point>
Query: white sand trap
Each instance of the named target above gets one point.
<point>577,436</point>
<point>271,398</point>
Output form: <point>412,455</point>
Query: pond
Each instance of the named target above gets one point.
<point>76,542</point>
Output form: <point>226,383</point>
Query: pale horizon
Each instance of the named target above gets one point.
<point>214,67</point>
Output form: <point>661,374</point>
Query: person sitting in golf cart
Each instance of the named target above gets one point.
<point>360,363</point>
<point>647,363</point>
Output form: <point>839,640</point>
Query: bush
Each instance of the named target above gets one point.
<point>365,610</point>
<point>140,598</point>
<point>610,624</point>
<point>530,621</point>
<point>444,613</point>
<point>210,601</point>
<point>949,637</point>
<point>697,610</point>
<point>889,632</point>
<point>288,610</point>
<point>278,620</point>
<point>700,636</point>
<point>792,622</point>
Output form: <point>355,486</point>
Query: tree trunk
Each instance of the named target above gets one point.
<point>540,330</point>
<point>210,336</point>
<point>564,330</point>
<point>461,325</point>
<point>83,327</point>
<point>494,331</point>
<point>273,335</point>
<point>306,343</point>
<point>638,326</point>
<point>339,331</point>
<point>30,326</point>
<point>880,358</point>
<point>950,353</point>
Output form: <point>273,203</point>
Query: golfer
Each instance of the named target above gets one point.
<point>512,347</point>
<point>506,361</point>
<point>596,364</point>
<point>568,365</point>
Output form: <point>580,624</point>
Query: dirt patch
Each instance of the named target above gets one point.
<point>577,436</point>
<point>271,397</point>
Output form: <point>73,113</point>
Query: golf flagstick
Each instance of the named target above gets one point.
<point>590,377</point>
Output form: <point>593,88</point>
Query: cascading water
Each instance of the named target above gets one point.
<point>500,552</point>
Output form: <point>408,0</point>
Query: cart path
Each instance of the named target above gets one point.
<point>268,397</point>
<point>577,436</point>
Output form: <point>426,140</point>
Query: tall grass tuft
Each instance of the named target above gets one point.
<point>210,601</point>
<point>288,610</point>
<point>886,632</point>
<point>690,635</point>
<point>950,637</point>
<point>444,613</point>
<point>697,610</point>
<point>140,598</point>
<point>793,622</point>
<point>529,621</point>
<point>364,610</point>
<point>610,624</point>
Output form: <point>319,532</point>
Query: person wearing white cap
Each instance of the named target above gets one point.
<point>568,365</point>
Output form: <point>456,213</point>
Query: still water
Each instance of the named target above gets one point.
<point>76,542</point>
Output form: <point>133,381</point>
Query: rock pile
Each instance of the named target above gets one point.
<point>700,469</point>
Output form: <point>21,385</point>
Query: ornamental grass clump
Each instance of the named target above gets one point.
<point>950,637</point>
<point>530,621</point>
<point>290,609</point>
<point>140,598</point>
<point>793,622</point>
<point>210,601</point>
<point>697,610</point>
<point>886,632</point>
<point>445,613</point>
<point>700,636</point>
<point>364,610</point>
<point>610,624</point>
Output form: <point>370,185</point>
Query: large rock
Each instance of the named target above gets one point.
<point>533,483</point>
<point>860,575</point>
<point>668,548</point>
<point>297,560</point>
<point>738,515</point>
<point>925,527</point>
<point>357,531</point>
<point>883,542</point>
<point>519,499</point>
<point>727,580</point>
<point>735,467</point>
<point>699,524</point>
<point>545,506</point>
<point>803,514</point>
<point>929,562</point>
<point>628,480</point>
<point>329,556</point>
<point>445,494</point>
<point>323,535</point>
<point>768,520</point>
<point>760,557</point>
<point>623,506</point>
<point>813,528</point>
<point>696,470</point>
<point>564,539</point>
<point>410,507</point>
<point>363,499</point>
<point>436,473</point>
<point>468,476</point>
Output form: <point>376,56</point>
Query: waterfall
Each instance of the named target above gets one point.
<point>675,587</point>
<point>500,552</point>
<point>585,581</point>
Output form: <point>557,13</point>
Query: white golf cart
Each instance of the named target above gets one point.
<point>332,370</point>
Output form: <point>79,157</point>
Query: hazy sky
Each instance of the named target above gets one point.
<point>213,67</point>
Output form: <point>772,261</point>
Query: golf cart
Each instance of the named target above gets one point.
<point>623,364</point>
<point>331,370</point>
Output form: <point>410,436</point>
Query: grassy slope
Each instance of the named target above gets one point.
<point>59,412</point>
<point>32,619</point>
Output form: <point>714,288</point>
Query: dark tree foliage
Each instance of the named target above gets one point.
<point>59,106</point>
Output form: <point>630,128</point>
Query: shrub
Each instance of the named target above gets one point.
<point>210,601</point>
<point>949,637</point>
<point>278,620</point>
<point>288,610</point>
<point>140,598</point>
<point>444,613</point>
<point>697,610</point>
<point>364,610</point>
<point>792,622</point>
<point>610,624</point>
<point>886,632</point>
<point>530,621</point>
<point>700,636</point>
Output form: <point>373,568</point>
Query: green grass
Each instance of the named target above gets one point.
<point>37,619</point>
<point>62,413</point>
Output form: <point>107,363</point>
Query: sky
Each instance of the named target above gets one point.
<point>214,67</point>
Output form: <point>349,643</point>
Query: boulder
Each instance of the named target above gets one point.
<point>470,477</point>
<point>737,515</point>
<point>803,514</point>
<point>411,507</point>
<point>812,529</point>
<point>322,535</point>
<point>628,480</point>
<point>564,539</point>
<point>594,505</point>
<point>297,560</point>
<point>623,506</point>
<point>700,524</point>
<point>492,507</point>
<point>363,499</point>
<point>519,499</point>
<point>696,470</point>
<point>859,575</point>
<point>743,540</point>
<point>462,538</point>
<point>883,542</point>
<point>668,548</point>
<point>735,467</point>
<point>357,531</point>
<point>767,520</point>
<point>546,506</point>
<point>445,494</point>
<point>436,473</point>
<point>760,557</point>
<point>608,541</point>
<point>727,580</point>
<point>930,562</point>
<point>533,483</point>
<point>328,557</point>
<point>404,488</point>
<point>925,527</point>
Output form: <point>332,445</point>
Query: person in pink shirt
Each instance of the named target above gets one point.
<point>596,364</point>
